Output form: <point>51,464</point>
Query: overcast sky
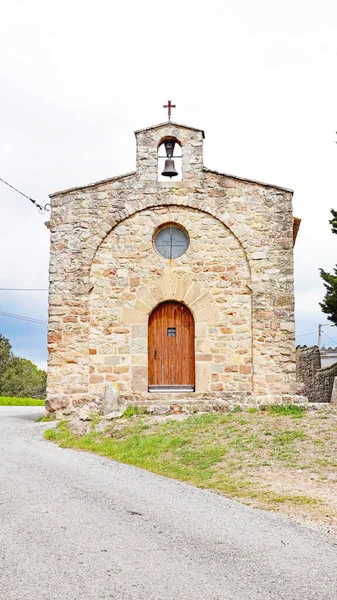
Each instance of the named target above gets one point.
<point>77,78</point>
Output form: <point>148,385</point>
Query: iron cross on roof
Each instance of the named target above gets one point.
<point>169,106</point>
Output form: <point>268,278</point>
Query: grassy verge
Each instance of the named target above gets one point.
<point>283,459</point>
<point>11,401</point>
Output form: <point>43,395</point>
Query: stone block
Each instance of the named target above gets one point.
<point>139,379</point>
<point>138,346</point>
<point>158,293</point>
<point>130,316</point>
<point>204,302</point>
<point>112,406</point>
<point>141,307</point>
<point>200,330</point>
<point>139,359</point>
<point>182,288</point>
<point>193,292</point>
<point>139,331</point>
<point>169,283</point>
<point>121,369</point>
<point>146,297</point>
<point>111,360</point>
<point>203,357</point>
<point>203,345</point>
<point>287,326</point>
<point>202,377</point>
<point>208,315</point>
<point>217,387</point>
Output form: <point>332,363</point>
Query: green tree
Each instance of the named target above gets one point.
<point>329,304</point>
<point>22,378</point>
<point>5,352</point>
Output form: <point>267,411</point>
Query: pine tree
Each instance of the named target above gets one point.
<point>329,304</point>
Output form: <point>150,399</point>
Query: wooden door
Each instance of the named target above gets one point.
<point>171,348</point>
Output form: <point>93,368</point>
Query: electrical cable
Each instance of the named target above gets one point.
<point>23,289</point>
<point>23,318</point>
<point>330,338</point>
<point>41,209</point>
<point>304,334</point>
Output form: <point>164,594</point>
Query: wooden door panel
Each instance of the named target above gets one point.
<point>171,345</point>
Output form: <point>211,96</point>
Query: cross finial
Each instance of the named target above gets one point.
<point>169,106</point>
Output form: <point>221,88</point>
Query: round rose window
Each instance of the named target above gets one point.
<point>171,241</point>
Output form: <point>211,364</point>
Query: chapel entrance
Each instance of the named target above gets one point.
<point>171,348</point>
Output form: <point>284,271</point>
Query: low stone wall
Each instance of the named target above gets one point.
<point>324,381</point>
<point>318,382</point>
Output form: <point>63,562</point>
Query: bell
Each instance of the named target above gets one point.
<point>169,168</point>
<point>169,147</point>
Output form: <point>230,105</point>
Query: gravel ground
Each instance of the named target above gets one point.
<point>78,526</point>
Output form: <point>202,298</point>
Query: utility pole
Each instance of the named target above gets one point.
<point>320,330</point>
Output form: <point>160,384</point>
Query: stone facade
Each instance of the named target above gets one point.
<point>318,384</point>
<point>106,277</point>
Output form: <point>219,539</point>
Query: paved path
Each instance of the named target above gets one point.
<point>77,526</point>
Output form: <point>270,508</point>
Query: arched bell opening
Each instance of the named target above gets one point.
<point>171,348</point>
<point>169,159</point>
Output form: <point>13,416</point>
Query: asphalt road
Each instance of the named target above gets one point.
<point>78,526</point>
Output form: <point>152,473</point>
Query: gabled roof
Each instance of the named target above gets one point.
<point>90,185</point>
<point>276,187</point>
<point>170,123</point>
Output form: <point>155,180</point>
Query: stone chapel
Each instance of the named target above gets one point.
<point>174,283</point>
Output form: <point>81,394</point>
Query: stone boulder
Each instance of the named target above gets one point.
<point>112,405</point>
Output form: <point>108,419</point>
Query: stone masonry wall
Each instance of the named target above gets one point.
<point>130,278</point>
<point>256,217</point>
<point>318,383</point>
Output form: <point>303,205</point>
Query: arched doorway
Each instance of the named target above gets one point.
<point>171,348</point>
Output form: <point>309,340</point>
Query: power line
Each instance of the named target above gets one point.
<point>330,338</point>
<point>42,209</point>
<point>23,289</point>
<point>22,318</point>
<point>304,334</point>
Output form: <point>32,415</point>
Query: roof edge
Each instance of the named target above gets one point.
<point>91,185</point>
<point>170,123</point>
<point>277,187</point>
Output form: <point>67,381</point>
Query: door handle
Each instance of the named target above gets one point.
<point>155,353</point>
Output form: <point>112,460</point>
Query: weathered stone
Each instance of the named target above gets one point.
<point>139,379</point>
<point>318,385</point>
<point>79,426</point>
<point>130,316</point>
<point>85,413</point>
<point>202,377</point>
<point>106,277</point>
<point>287,326</point>
<point>112,405</point>
<point>333,399</point>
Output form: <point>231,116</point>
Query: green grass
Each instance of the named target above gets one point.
<point>11,401</point>
<point>134,411</point>
<point>237,454</point>
<point>45,418</point>
<point>284,410</point>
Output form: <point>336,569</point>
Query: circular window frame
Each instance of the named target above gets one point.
<point>166,226</point>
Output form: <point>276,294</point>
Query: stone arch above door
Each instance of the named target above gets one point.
<point>240,232</point>
<point>129,279</point>
<point>173,286</point>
